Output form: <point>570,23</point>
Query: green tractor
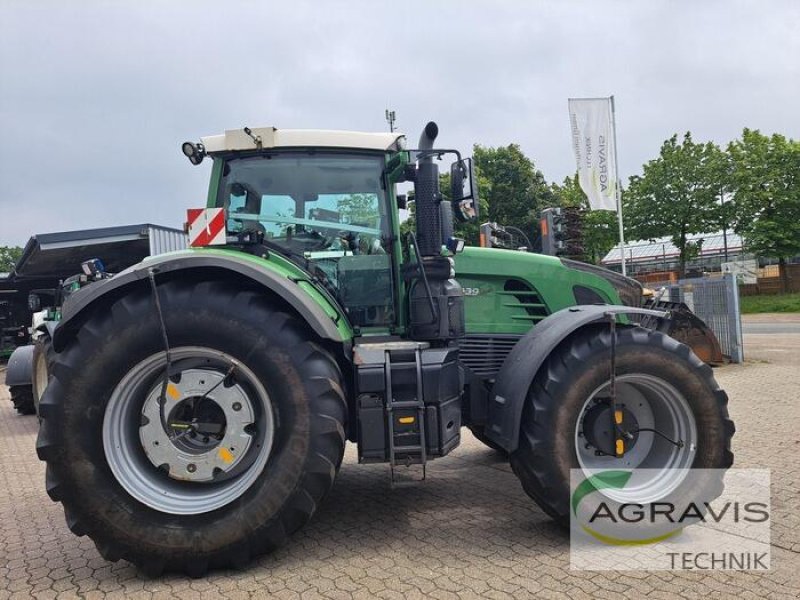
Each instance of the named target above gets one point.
<point>199,402</point>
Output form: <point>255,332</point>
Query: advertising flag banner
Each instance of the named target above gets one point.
<point>592,126</point>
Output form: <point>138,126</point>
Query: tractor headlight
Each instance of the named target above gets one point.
<point>194,152</point>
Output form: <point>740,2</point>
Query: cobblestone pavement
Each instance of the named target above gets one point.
<point>467,532</point>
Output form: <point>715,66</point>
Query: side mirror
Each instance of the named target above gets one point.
<point>464,190</point>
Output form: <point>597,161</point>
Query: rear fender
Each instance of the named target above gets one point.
<point>84,300</point>
<point>20,366</point>
<point>529,354</point>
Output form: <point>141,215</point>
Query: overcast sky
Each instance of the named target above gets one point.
<point>96,97</point>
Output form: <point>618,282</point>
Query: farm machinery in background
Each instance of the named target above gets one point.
<point>52,266</point>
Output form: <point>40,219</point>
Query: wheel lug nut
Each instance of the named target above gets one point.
<point>191,467</point>
<point>237,406</point>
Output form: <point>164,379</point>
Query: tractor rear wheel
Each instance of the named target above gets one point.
<point>217,463</point>
<point>22,398</point>
<point>661,385</point>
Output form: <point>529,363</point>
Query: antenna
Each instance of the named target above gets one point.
<point>390,119</point>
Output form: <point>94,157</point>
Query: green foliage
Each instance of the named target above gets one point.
<point>765,181</point>
<point>513,189</point>
<point>677,194</point>
<point>409,225</point>
<point>9,255</point>
<point>776,303</point>
<point>600,229</point>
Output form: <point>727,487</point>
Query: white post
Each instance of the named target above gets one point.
<point>618,190</point>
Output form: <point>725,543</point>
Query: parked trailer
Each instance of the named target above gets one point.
<point>46,271</point>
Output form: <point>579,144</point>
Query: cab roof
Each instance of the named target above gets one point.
<point>271,137</point>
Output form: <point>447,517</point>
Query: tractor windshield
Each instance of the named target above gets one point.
<point>329,208</point>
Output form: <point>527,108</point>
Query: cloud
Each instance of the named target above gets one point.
<point>96,99</point>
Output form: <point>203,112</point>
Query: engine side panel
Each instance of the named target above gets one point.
<point>508,292</point>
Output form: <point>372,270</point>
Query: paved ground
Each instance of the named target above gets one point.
<point>468,532</point>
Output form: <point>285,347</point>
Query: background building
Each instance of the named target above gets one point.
<point>654,259</point>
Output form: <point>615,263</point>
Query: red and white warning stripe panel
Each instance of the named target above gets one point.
<point>206,226</point>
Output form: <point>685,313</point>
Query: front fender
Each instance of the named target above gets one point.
<point>292,291</point>
<point>523,363</point>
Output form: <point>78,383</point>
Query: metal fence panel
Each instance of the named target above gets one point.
<point>716,301</point>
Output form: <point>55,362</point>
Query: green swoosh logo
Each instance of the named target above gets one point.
<point>615,480</point>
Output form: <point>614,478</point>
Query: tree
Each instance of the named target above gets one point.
<point>765,181</point>
<point>9,255</point>
<point>676,196</point>
<point>600,229</point>
<point>515,191</point>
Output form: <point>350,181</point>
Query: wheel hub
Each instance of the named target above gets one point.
<point>208,423</point>
<point>599,427</point>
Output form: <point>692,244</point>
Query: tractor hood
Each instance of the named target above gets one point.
<point>507,291</point>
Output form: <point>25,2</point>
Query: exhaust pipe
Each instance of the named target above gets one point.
<point>427,196</point>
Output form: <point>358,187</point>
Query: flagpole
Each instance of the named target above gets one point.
<point>618,189</point>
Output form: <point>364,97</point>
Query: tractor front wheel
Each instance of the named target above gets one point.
<point>667,400</point>
<point>204,463</point>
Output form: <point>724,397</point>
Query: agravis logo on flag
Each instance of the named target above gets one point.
<point>593,143</point>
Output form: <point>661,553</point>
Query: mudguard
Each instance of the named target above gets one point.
<point>20,366</point>
<point>81,300</point>
<point>523,362</point>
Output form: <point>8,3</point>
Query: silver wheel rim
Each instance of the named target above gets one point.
<point>172,475</point>
<point>658,467</point>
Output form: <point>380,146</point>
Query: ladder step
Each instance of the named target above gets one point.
<point>415,448</point>
<point>406,404</point>
<point>404,363</point>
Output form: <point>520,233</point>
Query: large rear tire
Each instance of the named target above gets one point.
<point>678,394</point>
<point>143,502</point>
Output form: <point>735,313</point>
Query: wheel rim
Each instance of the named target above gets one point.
<point>176,472</point>
<point>658,466</point>
<point>41,376</point>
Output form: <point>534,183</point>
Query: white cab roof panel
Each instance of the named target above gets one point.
<point>237,139</point>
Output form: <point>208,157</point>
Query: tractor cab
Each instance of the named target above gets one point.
<point>327,200</point>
